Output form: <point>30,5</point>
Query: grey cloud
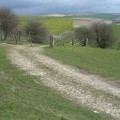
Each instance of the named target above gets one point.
<point>39,6</point>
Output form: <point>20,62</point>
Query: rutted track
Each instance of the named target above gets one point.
<point>86,89</point>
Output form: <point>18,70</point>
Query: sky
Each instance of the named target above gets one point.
<point>61,6</point>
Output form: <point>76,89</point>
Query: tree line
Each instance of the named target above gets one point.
<point>99,34</point>
<point>35,31</point>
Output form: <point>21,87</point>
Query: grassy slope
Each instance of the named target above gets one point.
<point>55,25</point>
<point>23,99</point>
<point>98,61</point>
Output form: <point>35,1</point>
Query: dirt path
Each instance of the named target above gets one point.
<point>85,89</point>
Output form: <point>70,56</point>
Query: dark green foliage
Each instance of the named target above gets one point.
<point>37,32</point>
<point>104,35</point>
<point>84,35</point>
<point>99,34</point>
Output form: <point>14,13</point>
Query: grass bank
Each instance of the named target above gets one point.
<point>104,62</point>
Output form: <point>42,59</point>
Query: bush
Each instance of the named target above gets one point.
<point>37,32</point>
<point>99,34</point>
<point>84,35</point>
<point>104,35</point>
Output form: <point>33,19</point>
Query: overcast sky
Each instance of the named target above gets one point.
<point>60,6</point>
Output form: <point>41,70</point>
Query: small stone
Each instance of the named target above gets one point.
<point>96,112</point>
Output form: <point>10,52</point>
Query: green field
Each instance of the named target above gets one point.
<point>58,25</point>
<point>21,98</point>
<point>55,25</point>
<point>94,60</point>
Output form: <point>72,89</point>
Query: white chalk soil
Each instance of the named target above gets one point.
<point>82,88</point>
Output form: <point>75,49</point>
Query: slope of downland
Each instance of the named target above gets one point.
<point>85,89</point>
<point>23,96</point>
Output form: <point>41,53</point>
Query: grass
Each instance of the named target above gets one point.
<point>23,99</point>
<point>94,60</point>
<point>55,25</point>
<point>58,25</point>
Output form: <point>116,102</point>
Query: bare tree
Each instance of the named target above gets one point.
<point>8,21</point>
<point>17,33</point>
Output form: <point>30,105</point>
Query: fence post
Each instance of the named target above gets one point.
<point>51,41</point>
